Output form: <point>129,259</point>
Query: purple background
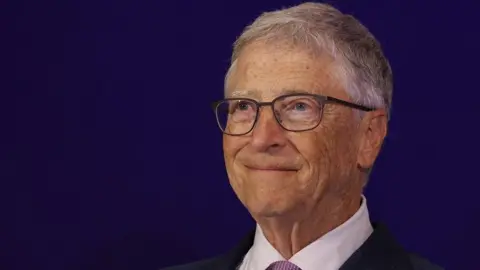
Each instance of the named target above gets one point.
<point>112,158</point>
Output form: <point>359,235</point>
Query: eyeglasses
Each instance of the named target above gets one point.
<point>293,112</point>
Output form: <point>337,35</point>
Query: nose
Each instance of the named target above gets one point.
<point>267,135</point>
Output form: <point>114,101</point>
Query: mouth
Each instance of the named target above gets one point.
<point>271,168</point>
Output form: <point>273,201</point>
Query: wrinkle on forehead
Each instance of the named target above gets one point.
<point>264,72</point>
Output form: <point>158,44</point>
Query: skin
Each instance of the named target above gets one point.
<point>298,185</point>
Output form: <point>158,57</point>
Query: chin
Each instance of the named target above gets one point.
<point>269,208</point>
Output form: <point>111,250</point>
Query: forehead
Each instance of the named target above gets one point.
<point>265,71</point>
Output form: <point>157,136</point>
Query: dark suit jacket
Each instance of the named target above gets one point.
<point>379,252</point>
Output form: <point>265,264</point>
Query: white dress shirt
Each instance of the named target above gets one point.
<point>328,252</point>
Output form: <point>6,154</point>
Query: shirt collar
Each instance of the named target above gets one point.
<point>331,250</point>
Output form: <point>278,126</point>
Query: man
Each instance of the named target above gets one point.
<point>307,103</point>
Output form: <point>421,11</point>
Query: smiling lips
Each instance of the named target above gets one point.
<point>273,164</point>
<point>271,168</point>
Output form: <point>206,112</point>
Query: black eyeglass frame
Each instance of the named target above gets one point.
<point>322,101</point>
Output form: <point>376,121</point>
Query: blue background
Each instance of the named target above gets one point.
<point>112,157</point>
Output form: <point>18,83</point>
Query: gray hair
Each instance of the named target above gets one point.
<point>360,63</point>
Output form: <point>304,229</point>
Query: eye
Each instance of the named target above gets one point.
<point>301,106</point>
<point>243,105</point>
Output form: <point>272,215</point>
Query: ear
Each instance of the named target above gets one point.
<point>374,129</point>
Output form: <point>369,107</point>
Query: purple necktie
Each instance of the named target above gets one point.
<point>283,265</point>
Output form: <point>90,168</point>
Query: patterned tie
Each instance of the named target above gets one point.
<point>283,265</point>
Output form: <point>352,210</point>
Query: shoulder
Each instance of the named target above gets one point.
<point>420,263</point>
<point>229,260</point>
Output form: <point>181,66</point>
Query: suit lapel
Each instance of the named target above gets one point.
<point>379,252</point>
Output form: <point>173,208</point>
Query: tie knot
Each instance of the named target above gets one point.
<point>283,265</point>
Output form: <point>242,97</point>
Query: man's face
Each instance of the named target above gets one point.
<point>274,171</point>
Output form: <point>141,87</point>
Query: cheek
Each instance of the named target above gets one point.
<point>323,151</point>
<point>228,147</point>
<point>314,151</point>
<point>340,155</point>
<point>231,146</point>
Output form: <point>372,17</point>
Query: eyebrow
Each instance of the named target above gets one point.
<point>253,93</point>
<point>243,93</point>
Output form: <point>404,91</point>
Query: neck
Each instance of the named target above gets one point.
<point>291,233</point>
